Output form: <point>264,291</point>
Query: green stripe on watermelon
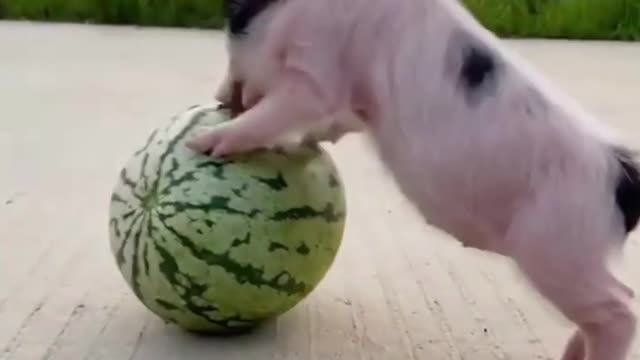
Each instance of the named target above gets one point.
<point>216,203</point>
<point>306,212</point>
<point>242,273</point>
<point>150,141</point>
<point>276,183</point>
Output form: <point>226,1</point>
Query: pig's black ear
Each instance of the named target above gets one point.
<point>240,13</point>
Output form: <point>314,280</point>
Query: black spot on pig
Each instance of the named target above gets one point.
<point>478,68</point>
<point>474,67</point>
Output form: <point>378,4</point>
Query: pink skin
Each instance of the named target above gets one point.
<point>524,173</point>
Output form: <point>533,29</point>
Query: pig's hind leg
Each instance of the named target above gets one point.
<point>564,257</point>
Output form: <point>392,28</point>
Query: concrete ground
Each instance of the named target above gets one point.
<point>76,100</point>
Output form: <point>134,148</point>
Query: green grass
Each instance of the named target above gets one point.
<point>174,13</point>
<point>575,19</point>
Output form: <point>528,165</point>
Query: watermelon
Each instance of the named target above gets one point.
<point>221,245</point>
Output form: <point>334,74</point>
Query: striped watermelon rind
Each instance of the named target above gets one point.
<point>220,245</point>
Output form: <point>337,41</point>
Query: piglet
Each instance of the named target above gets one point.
<point>483,146</point>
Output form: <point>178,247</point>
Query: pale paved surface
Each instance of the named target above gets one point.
<point>75,101</point>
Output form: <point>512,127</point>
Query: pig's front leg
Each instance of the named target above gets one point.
<point>290,106</point>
